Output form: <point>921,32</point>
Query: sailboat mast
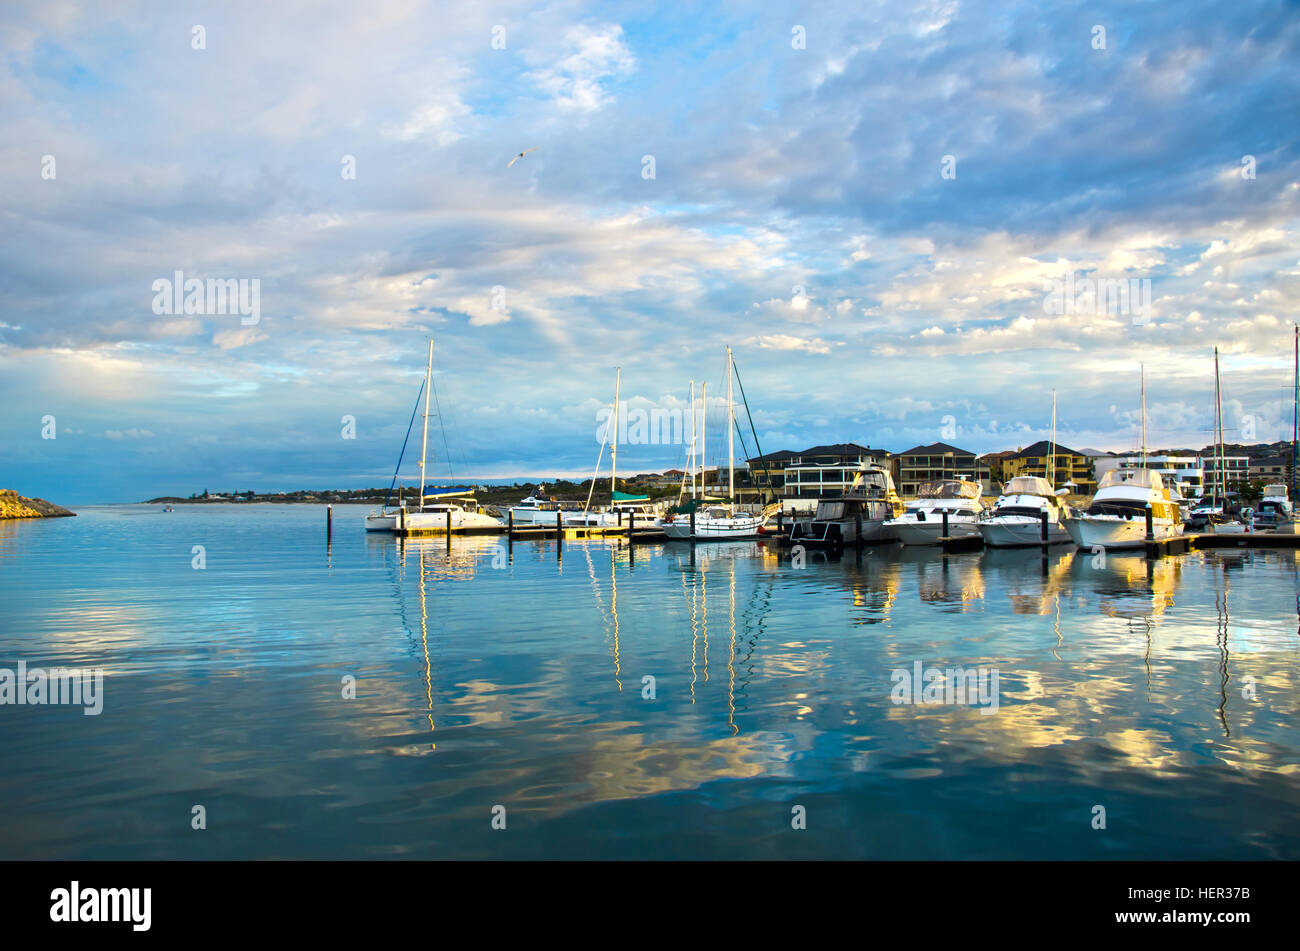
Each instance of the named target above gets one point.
<point>1051,449</point>
<point>704,443</point>
<point>613,458</point>
<point>1295,422</point>
<point>731,437</point>
<point>424,444</point>
<point>692,439</point>
<point>1142,370</point>
<point>1220,487</point>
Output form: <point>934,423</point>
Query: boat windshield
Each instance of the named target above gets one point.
<point>1127,508</point>
<point>1142,478</point>
<point>1024,510</point>
<point>1028,485</point>
<point>828,511</point>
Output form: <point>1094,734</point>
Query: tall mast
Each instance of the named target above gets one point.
<point>1295,422</point>
<point>424,445</point>
<point>704,443</point>
<point>1220,488</point>
<point>1051,449</point>
<point>692,439</point>
<point>731,437</point>
<point>613,459</point>
<point>1143,371</point>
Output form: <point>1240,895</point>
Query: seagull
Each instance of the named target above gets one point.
<point>522,154</point>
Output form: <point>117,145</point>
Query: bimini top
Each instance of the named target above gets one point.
<point>1277,491</point>
<point>1028,485</point>
<point>949,489</point>
<point>1138,478</point>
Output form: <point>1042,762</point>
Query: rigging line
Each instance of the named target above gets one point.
<point>404,441</point>
<point>748,415</point>
<point>442,426</point>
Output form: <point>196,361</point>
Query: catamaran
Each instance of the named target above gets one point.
<point>434,510</point>
<point>922,523</point>
<point>717,522</point>
<point>1116,517</point>
<point>860,514</point>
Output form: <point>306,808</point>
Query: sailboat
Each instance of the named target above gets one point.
<point>625,508</point>
<point>1116,517</point>
<point>1225,523</point>
<point>434,511</point>
<point>721,521</point>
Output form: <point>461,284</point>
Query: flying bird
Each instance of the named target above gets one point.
<point>522,154</point>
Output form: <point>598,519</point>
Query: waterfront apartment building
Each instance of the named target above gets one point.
<point>934,462</point>
<point>1271,469</point>
<point>810,474</point>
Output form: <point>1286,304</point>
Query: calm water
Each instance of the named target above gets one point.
<point>484,680</point>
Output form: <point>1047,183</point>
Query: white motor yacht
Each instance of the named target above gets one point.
<point>922,523</point>
<point>1116,517</point>
<point>1016,519</point>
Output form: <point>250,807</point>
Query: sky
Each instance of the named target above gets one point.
<point>877,206</point>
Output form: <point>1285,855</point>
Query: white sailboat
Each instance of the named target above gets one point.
<point>722,521</point>
<point>434,511</point>
<point>1116,517</point>
<point>624,508</point>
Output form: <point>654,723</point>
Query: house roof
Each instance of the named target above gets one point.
<point>936,449</point>
<point>1042,447</point>
<point>779,456</point>
<point>839,449</point>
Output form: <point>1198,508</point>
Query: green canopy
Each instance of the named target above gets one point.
<point>629,497</point>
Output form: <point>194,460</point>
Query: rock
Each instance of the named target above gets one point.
<point>13,505</point>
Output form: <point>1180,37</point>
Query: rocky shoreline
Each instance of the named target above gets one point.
<point>13,505</point>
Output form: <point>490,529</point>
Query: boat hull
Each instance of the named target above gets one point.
<point>831,533</point>
<point>1108,531</point>
<point>912,532</point>
<point>679,529</point>
<point>1016,532</point>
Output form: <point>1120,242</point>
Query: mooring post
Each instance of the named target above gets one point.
<point>945,523</point>
<point>1151,529</point>
<point>510,522</point>
<point>559,534</point>
<point>401,518</point>
<point>692,526</point>
<point>1042,520</point>
<point>329,523</point>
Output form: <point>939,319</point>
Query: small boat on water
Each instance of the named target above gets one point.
<point>1016,519</point>
<point>434,510</point>
<point>1274,507</point>
<point>860,514</point>
<point>534,510</point>
<point>922,522</point>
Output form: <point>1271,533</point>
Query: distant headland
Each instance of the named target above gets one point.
<point>13,505</point>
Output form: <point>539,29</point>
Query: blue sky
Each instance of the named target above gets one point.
<point>799,212</point>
